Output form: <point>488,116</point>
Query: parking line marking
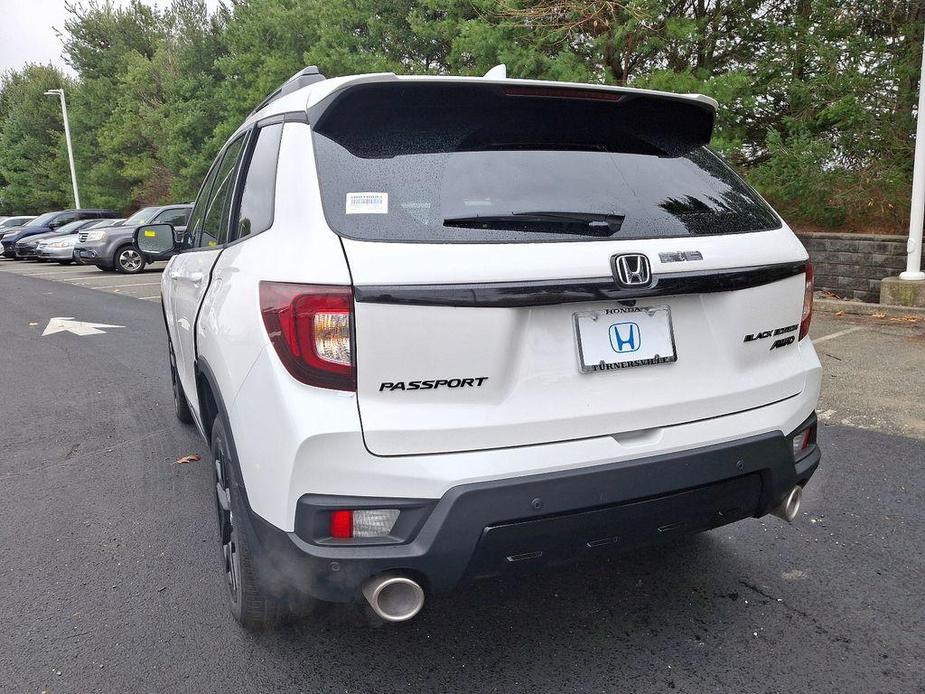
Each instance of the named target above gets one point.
<point>119,286</point>
<point>840,333</point>
<point>46,273</point>
<point>83,278</point>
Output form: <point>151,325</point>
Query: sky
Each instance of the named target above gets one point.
<point>27,31</point>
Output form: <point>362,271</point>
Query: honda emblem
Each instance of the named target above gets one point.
<point>632,270</point>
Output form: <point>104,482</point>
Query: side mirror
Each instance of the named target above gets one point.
<point>156,240</point>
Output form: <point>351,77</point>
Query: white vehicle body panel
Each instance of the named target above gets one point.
<point>230,332</point>
<point>188,278</point>
<point>535,392</point>
<point>299,440</point>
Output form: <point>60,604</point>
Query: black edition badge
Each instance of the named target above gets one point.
<point>765,334</point>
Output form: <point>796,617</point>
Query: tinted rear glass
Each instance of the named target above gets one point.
<point>470,164</point>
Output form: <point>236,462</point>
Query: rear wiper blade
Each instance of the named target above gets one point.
<point>593,223</point>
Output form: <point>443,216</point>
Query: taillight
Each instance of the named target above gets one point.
<point>310,328</point>
<point>363,523</point>
<point>807,316</point>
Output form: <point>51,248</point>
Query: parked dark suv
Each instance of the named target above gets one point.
<point>113,248</point>
<point>49,222</point>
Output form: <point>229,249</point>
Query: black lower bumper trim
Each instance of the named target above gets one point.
<point>489,528</point>
<point>569,537</point>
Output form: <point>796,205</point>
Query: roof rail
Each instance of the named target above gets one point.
<point>302,78</point>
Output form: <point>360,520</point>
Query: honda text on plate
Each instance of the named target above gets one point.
<point>438,329</point>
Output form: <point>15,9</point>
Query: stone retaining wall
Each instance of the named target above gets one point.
<point>852,265</point>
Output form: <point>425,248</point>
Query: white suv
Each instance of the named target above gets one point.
<point>442,328</point>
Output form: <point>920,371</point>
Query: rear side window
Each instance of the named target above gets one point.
<point>259,194</point>
<point>176,217</point>
<point>215,222</point>
<point>63,219</point>
<point>199,208</point>
<point>458,163</point>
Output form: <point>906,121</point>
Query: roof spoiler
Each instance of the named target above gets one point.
<point>392,115</point>
<point>303,78</point>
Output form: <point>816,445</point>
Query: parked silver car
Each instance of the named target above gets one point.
<point>61,247</point>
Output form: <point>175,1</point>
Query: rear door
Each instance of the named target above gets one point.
<point>189,272</point>
<point>533,267</point>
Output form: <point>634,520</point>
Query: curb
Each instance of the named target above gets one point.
<point>859,308</point>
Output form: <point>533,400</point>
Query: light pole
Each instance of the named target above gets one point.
<point>917,213</point>
<point>67,136</point>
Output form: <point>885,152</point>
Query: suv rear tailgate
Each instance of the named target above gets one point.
<point>508,375</point>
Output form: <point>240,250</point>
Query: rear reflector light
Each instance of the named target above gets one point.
<point>377,522</point>
<point>341,524</point>
<point>807,316</point>
<point>310,328</point>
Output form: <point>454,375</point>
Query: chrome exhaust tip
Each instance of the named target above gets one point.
<point>394,598</point>
<point>789,508</point>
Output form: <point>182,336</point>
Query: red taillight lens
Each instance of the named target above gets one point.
<point>342,524</point>
<point>802,440</point>
<point>807,316</point>
<point>310,328</point>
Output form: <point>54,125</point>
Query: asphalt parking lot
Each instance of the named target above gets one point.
<point>143,285</point>
<point>109,578</point>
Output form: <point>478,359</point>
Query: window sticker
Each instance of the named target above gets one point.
<point>367,203</point>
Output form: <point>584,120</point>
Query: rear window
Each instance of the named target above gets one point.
<point>432,162</point>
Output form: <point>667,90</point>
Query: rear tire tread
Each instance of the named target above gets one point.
<point>253,608</point>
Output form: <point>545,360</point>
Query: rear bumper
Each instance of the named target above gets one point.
<point>500,526</point>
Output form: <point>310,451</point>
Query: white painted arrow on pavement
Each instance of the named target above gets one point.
<point>68,324</point>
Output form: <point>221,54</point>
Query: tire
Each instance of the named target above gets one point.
<point>103,267</point>
<point>128,260</point>
<point>180,403</point>
<point>250,603</point>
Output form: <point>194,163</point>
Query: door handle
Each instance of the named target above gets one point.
<point>195,277</point>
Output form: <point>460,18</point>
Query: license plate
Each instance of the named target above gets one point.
<point>623,337</point>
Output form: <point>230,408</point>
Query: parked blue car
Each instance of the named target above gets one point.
<point>49,222</point>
